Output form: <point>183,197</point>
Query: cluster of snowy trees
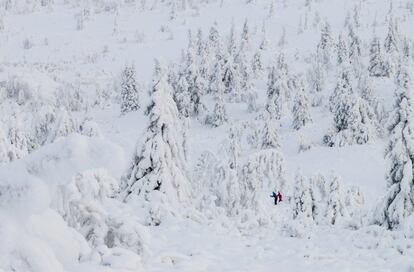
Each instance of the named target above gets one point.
<point>217,70</point>
<point>323,201</point>
<point>214,67</point>
<point>30,121</point>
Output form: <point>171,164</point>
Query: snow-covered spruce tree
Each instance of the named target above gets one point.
<point>342,56</point>
<point>219,114</point>
<point>213,46</point>
<point>377,65</point>
<point>245,43</point>
<point>231,41</point>
<point>216,82</point>
<point>354,44</point>
<point>231,78</point>
<point>19,140</point>
<point>264,43</point>
<point>302,199</point>
<point>354,50</point>
<point>398,202</point>
<point>320,192</point>
<point>234,147</point>
<point>216,187</point>
<point>282,73</point>
<point>374,109</point>
<point>316,81</point>
<point>201,52</point>
<point>325,44</point>
<point>257,64</point>
<point>354,202</point>
<point>282,40</point>
<point>190,87</point>
<point>270,135</point>
<point>253,133</point>
<point>356,17</point>
<point>301,114</point>
<point>350,123</point>
<point>251,99</point>
<point>64,125</point>
<point>392,40</point>
<point>335,210</point>
<point>209,178</point>
<point>158,175</point>
<point>244,73</point>
<point>129,90</point>
<point>406,48</point>
<point>274,103</point>
<point>182,97</point>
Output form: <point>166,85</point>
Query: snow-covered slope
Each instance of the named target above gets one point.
<point>148,135</point>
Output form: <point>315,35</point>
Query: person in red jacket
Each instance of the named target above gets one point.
<point>279,196</point>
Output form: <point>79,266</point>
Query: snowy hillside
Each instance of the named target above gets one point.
<point>158,135</point>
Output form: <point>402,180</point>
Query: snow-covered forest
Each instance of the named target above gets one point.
<point>157,135</point>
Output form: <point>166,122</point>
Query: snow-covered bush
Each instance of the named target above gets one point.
<point>86,203</point>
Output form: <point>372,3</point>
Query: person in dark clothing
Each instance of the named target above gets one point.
<point>274,195</point>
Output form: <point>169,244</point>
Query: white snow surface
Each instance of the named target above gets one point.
<point>34,233</point>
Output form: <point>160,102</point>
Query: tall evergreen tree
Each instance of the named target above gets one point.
<point>302,197</point>
<point>301,114</point>
<point>399,201</point>
<point>274,103</point>
<point>232,44</point>
<point>342,51</point>
<point>158,171</point>
<point>245,43</point>
<point>219,114</point>
<point>270,135</point>
<point>257,64</point>
<point>354,48</point>
<point>391,43</point>
<point>325,44</point>
<point>377,66</point>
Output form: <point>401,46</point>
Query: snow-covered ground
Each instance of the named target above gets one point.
<point>65,147</point>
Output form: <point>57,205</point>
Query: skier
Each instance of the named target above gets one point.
<point>274,195</point>
<point>279,196</point>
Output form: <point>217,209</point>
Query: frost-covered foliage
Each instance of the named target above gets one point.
<point>158,173</point>
<point>398,202</point>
